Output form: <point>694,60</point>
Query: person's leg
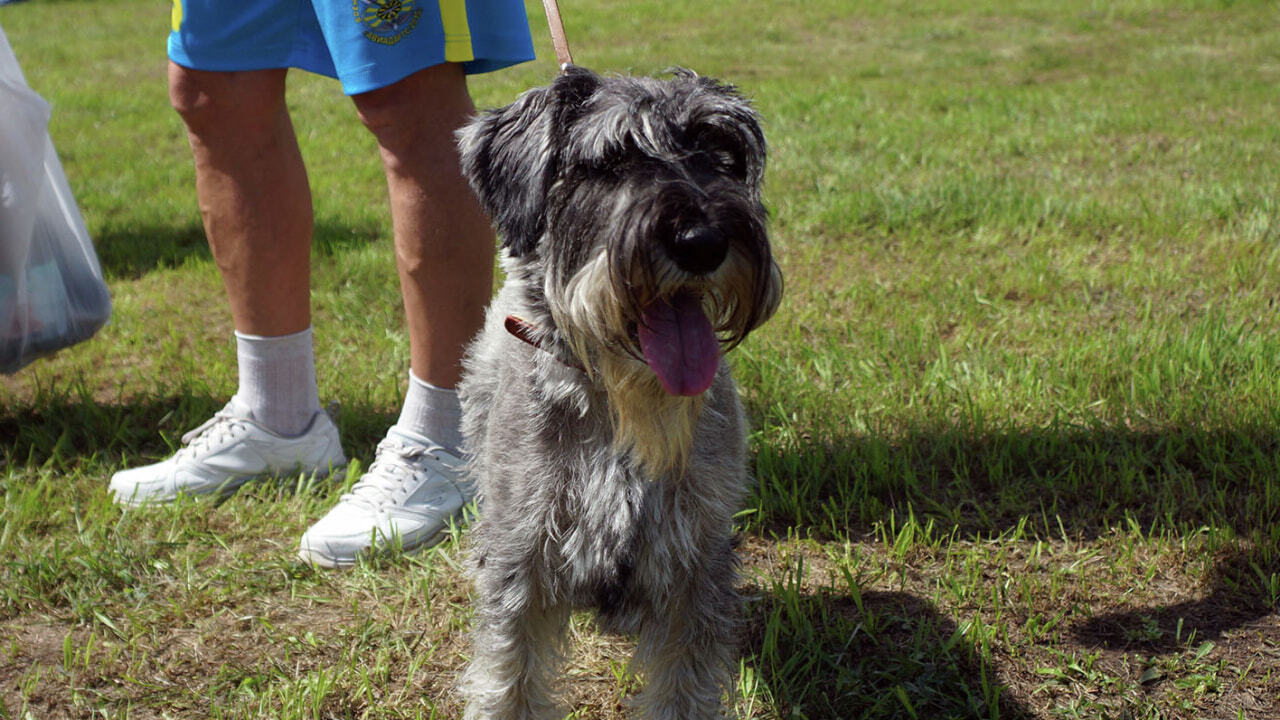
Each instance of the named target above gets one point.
<point>253,193</point>
<point>444,242</point>
<point>255,202</point>
<point>256,206</point>
<point>444,253</point>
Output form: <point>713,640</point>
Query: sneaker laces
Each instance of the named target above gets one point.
<point>393,461</point>
<point>215,430</point>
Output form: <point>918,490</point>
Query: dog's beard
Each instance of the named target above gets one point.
<point>653,424</point>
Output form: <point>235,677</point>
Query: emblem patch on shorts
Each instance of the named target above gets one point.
<point>387,22</point>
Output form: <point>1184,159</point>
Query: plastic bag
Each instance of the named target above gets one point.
<point>52,294</point>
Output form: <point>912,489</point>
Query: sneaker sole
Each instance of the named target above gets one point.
<point>319,558</point>
<point>228,488</point>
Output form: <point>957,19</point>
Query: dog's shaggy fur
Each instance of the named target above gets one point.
<point>609,444</point>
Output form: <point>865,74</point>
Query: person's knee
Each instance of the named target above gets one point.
<point>225,101</point>
<point>392,115</point>
<point>424,108</point>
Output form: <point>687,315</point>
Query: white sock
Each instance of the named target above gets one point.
<point>278,380</point>
<point>432,412</point>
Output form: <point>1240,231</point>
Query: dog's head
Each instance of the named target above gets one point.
<point>634,203</point>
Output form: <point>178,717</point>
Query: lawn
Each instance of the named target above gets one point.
<point>1016,427</point>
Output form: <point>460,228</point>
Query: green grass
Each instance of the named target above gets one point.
<point>1017,423</point>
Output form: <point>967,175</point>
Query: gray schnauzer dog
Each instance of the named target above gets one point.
<point>605,432</point>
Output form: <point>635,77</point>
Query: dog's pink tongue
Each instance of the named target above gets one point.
<point>679,344</point>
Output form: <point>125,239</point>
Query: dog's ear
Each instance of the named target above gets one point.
<point>511,155</point>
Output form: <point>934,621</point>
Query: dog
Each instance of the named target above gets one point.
<point>604,430</point>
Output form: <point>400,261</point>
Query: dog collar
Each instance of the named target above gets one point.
<point>532,334</point>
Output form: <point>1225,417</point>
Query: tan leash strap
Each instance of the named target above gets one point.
<point>557,33</point>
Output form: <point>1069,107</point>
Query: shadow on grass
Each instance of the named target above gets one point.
<point>870,655</point>
<point>1080,482</point>
<point>1240,592</point>
<point>1070,482</point>
<point>66,431</point>
<point>131,252</point>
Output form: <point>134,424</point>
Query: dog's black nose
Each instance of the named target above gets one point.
<point>698,250</point>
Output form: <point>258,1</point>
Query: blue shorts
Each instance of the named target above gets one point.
<point>366,44</point>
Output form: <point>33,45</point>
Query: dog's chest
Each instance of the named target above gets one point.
<point>600,532</point>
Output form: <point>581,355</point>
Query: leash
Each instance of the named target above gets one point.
<point>557,34</point>
<point>518,326</point>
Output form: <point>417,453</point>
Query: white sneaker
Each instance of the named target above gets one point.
<point>406,499</point>
<point>228,451</point>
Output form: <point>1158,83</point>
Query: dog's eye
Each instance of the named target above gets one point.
<point>600,166</point>
<point>723,149</point>
<point>728,160</point>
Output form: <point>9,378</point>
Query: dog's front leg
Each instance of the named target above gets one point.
<point>517,648</point>
<point>687,650</point>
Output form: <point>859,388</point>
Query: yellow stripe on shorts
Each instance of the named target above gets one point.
<point>177,15</point>
<point>457,33</point>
